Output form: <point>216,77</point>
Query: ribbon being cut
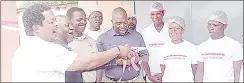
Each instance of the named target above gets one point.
<point>131,61</point>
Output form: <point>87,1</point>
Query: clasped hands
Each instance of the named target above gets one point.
<point>127,53</point>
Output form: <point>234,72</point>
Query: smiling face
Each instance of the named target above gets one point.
<point>175,31</point>
<point>132,23</point>
<point>120,21</point>
<point>79,21</point>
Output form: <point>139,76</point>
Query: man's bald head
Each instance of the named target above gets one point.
<point>119,20</point>
<point>119,12</point>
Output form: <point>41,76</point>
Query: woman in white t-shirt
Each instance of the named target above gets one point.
<point>178,59</point>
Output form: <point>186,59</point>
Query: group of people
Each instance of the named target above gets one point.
<point>57,44</point>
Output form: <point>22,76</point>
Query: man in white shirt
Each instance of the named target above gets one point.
<point>220,57</point>
<point>155,35</point>
<point>178,60</point>
<point>95,19</point>
<point>40,60</point>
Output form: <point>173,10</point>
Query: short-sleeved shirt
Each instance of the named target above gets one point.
<point>218,56</point>
<point>111,39</point>
<point>84,45</point>
<point>153,40</point>
<point>178,59</point>
<point>41,61</point>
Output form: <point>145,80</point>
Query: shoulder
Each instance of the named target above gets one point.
<point>204,43</point>
<point>233,44</point>
<point>104,35</point>
<point>189,44</point>
<point>146,29</point>
<point>89,38</point>
<point>232,41</point>
<point>57,47</point>
<point>135,33</point>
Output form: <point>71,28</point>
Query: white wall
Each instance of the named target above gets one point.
<point>195,14</point>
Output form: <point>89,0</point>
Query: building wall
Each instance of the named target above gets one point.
<point>9,38</point>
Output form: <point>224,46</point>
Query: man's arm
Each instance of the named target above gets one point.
<point>194,69</point>
<point>194,61</point>
<point>145,65</point>
<point>237,60</point>
<point>199,72</point>
<point>162,69</point>
<point>145,56</point>
<point>237,69</point>
<point>90,62</point>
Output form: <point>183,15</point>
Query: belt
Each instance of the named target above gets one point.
<point>119,80</point>
<point>113,79</point>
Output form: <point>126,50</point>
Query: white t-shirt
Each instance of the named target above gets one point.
<point>41,61</point>
<point>218,56</point>
<point>153,40</point>
<point>178,59</point>
<point>94,34</point>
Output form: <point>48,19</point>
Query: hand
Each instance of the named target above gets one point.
<point>154,79</point>
<point>132,53</point>
<point>158,76</point>
<point>120,61</point>
<point>125,52</point>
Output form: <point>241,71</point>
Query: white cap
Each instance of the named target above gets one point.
<point>94,9</point>
<point>219,16</point>
<point>156,6</point>
<point>180,21</point>
<point>131,15</point>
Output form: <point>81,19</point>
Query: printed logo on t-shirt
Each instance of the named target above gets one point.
<point>178,56</point>
<point>213,55</point>
<point>156,44</point>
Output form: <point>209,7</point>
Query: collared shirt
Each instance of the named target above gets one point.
<point>94,34</point>
<point>84,45</point>
<point>154,40</point>
<point>109,40</point>
<point>41,61</point>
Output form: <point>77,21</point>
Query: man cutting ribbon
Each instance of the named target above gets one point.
<point>125,69</point>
